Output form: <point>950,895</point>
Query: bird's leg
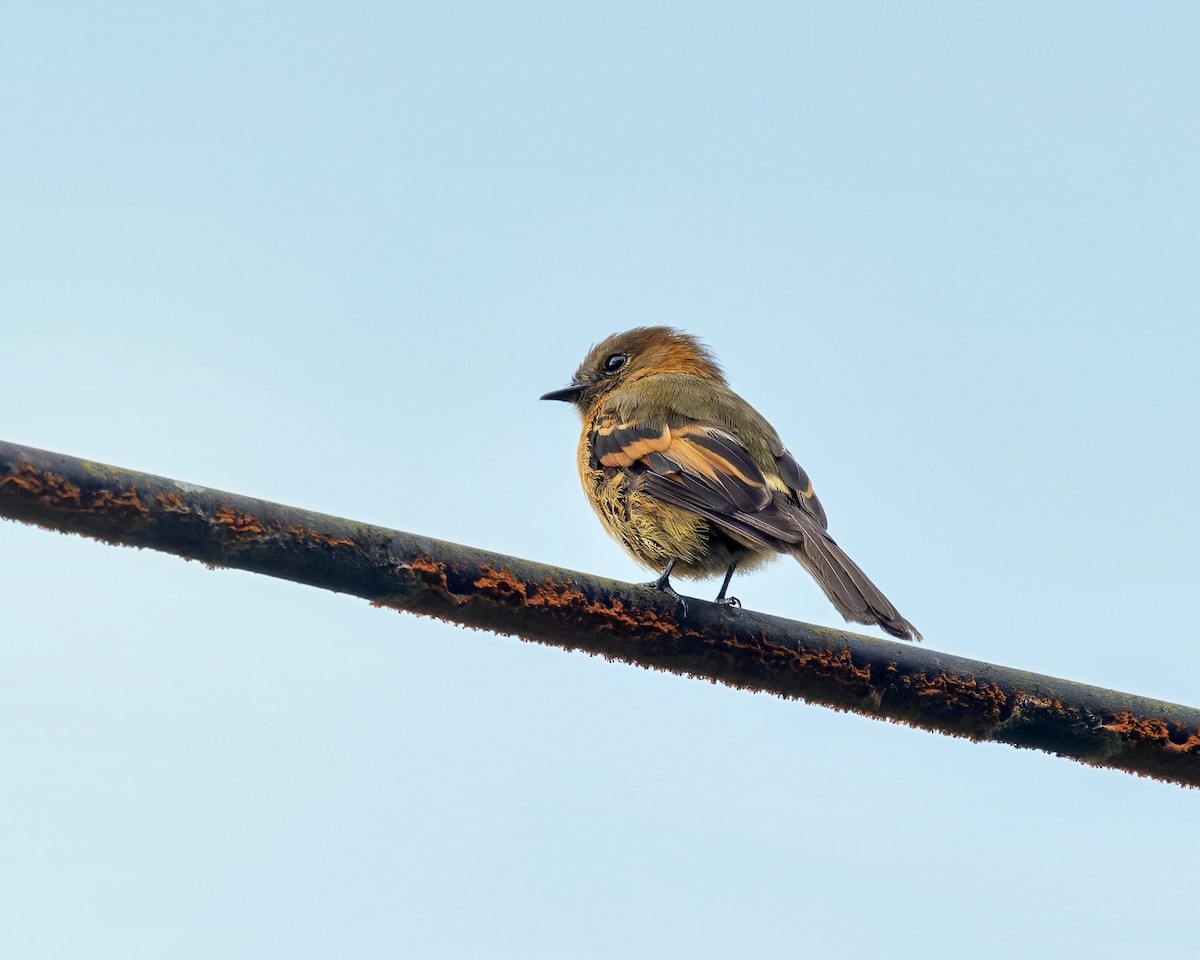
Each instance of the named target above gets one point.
<point>721,598</point>
<point>663,583</point>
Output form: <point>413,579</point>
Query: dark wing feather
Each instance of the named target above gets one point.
<point>797,480</point>
<point>617,444</point>
<point>716,466</point>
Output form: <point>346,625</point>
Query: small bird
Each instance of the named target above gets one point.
<point>690,479</point>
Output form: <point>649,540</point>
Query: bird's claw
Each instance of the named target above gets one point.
<point>662,585</point>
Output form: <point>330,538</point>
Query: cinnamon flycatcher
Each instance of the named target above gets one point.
<point>690,479</point>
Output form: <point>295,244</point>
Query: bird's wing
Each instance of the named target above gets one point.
<point>712,464</point>
<point>705,468</point>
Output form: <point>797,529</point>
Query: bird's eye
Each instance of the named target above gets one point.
<point>615,362</point>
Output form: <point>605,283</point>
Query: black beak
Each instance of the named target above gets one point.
<point>569,394</point>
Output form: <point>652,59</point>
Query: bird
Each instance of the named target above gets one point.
<point>692,481</point>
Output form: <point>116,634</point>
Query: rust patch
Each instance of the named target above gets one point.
<point>503,586</point>
<point>429,568</point>
<point>240,523</point>
<point>833,661</point>
<point>776,660</point>
<point>45,487</point>
<point>171,502</point>
<point>502,583</point>
<point>958,695</point>
<point>1046,705</point>
<point>310,535</point>
<point>1043,703</point>
<point>432,574</point>
<point>1174,738</point>
<point>56,491</point>
<point>565,596</point>
<point>127,501</point>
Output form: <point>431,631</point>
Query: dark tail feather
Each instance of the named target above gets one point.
<point>848,588</point>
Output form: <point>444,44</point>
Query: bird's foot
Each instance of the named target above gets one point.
<point>732,602</point>
<point>663,584</point>
<point>670,591</point>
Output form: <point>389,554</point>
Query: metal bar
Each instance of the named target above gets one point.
<point>879,678</point>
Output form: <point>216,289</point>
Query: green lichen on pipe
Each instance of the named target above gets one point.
<point>880,678</point>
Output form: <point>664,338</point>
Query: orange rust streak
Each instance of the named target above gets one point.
<point>832,663</point>
<point>552,594</point>
<point>307,533</point>
<point>241,523</point>
<point>171,502</point>
<point>502,585</point>
<point>1153,730</point>
<point>501,582</point>
<point>129,500</point>
<point>427,565</point>
<point>955,691</point>
<point>432,573</point>
<point>47,487</point>
<point>1047,705</point>
<point>54,490</point>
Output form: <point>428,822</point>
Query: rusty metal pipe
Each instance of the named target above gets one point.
<point>886,679</point>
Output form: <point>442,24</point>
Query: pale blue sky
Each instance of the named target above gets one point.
<point>330,254</point>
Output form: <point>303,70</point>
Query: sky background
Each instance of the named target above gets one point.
<point>331,254</point>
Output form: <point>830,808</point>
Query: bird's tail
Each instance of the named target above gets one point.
<point>848,588</point>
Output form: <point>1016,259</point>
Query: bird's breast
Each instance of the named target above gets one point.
<point>653,532</point>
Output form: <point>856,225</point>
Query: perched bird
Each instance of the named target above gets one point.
<point>690,479</point>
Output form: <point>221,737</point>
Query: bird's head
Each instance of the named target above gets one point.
<point>632,355</point>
